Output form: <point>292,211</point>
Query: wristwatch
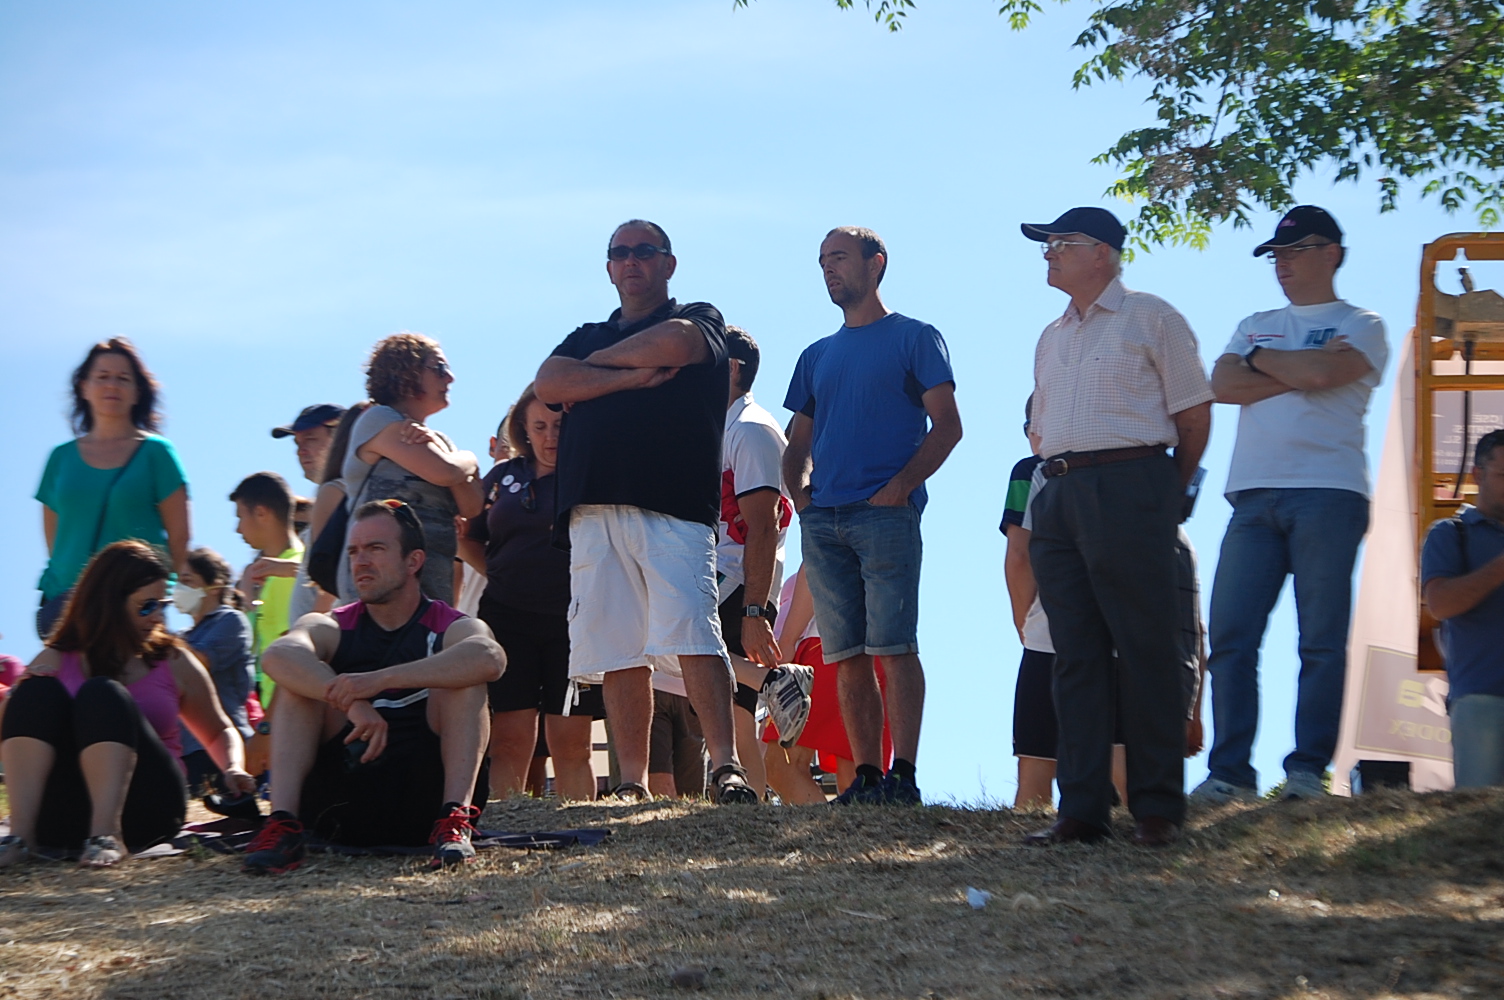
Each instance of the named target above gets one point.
<point>754,611</point>
<point>1248,359</point>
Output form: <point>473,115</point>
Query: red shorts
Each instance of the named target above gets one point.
<point>825,733</point>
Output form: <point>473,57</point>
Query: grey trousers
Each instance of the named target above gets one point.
<point>1104,554</point>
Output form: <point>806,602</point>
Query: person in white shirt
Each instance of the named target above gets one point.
<point>1302,377</point>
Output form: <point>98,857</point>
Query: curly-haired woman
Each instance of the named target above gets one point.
<point>408,381</point>
<point>90,737</point>
<point>116,479</point>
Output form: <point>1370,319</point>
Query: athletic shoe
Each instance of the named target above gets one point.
<point>278,847</point>
<point>731,788</point>
<point>1214,791</point>
<point>1302,785</point>
<point>898,792</point>
<point>862,794</point>
<point>101,852</point>
<point>451,837</point>
<point>785,692</point>
<point>13,851</point>
<point>628,791</point>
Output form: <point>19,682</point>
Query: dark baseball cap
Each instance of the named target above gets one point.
<point>311,417</point>
<point>1098,223</point>
<point>1298,223</point>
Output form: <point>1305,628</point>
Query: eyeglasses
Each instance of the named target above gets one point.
<point>1055,245</point>
<point>440,368</point>
<point>1289,253</point>
<point>402,512</point>
<point>150,607</point>
<point>642,251</point>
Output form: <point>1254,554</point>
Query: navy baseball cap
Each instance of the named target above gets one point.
<point>1098,223</point>
<point>1298,223</point>
<point>311,417</point>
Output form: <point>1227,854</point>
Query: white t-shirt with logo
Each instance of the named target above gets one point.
<point>1300,439</point>
<point>751,459</point>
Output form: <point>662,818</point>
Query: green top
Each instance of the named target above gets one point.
<point>75,491</point>
<point>269,614</point>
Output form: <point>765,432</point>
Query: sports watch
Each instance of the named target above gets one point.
<point>754,611</point>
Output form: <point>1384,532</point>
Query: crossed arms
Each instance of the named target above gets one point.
<point>646,359</point>
<point>1330,366</point>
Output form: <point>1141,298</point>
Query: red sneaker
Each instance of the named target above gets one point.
<point>451,837</point>
<point>279,846</point>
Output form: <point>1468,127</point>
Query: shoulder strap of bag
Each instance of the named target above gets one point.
<point>109,491</point>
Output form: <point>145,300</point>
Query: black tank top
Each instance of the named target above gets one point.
<point>365,646</point>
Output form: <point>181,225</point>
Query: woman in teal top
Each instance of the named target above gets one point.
<point>117,479</point>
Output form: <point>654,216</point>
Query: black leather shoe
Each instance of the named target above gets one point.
<point>1155,831</point>
<point>1067,831</point>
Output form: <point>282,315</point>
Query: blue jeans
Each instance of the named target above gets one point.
<point>1313,534</point>
<point>1478,740</point>
<point>862,564</point>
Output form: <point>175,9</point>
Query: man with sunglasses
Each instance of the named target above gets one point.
<point>381,718</point>
<point>1302,377</point>
<point>1118,381</point>
<point>639,497</point>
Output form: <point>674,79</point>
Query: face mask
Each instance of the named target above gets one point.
<point>187,599</point>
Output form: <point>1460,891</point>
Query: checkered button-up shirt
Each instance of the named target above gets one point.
<point>1114,377</point>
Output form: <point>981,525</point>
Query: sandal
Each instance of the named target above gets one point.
<point>629,791</point>
<point>731,788</point>
<point>101,852</point>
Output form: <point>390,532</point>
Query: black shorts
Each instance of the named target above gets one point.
<point>1035,727</point>
<point>1035,732</point>
<point>537,674</point>
<point>393,800</point>
<point>731,619</point>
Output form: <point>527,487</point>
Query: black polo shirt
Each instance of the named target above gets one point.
<point>658,449</point>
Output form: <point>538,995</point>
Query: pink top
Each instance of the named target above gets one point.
<point>156,694</point>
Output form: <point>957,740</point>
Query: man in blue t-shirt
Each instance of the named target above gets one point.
<point>1462,580</point>
<point>874,417</point>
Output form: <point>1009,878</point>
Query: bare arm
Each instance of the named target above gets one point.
<point>299,659</point>
<point>199,708</point>
<point>329,497</point>
<point>1193,427</point>
<point>1330,366</point>
<point>473,552</point>
<point>1450,596</point>
<point>1234,382</point>
<point>1018,573</point>
<point>467,498</point>
<point>430,459</point>
<point>674,343</point>
<point>567,380</point>
<point>794,619</point>
<point>49,526</point>
<point>943,436</point>
<point>174,514</point>
<point>796,464</point>
<point>470,656</point>
<point>760,509</point>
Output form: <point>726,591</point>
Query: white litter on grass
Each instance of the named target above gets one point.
<point>977,897</point>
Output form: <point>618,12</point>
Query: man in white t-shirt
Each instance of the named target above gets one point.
<point>755,516</point>
<point>1302,376</point>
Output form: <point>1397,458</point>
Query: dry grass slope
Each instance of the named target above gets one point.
<point>1390,896</point>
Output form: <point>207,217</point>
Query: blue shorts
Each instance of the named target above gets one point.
<point>862,563</point>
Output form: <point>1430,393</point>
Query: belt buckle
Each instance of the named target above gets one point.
<point>1056,467</point>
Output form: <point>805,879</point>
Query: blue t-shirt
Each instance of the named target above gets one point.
<point>863,388</point>
<point>1474,640</point>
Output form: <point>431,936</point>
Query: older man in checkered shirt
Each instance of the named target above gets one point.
<point>1118,380</point>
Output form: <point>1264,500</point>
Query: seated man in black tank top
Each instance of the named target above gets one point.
<point>381,720</point>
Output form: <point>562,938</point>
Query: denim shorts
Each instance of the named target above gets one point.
<point>862,563</point>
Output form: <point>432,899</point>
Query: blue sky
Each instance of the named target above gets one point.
<point>255,195</point>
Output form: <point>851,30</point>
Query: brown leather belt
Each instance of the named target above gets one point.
<point>1062,464</point>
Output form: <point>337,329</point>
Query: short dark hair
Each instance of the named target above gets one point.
<point>268,490</point>
<point>741,346</point>
<point>1029,411</point>
<point>644,223</point>
<point>334,465</point>
<point>144,414</point>
<point>1486,445</point>
<point>871,244</point>
<point>408,525</point>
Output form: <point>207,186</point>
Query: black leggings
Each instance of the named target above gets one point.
<point>102,712</point>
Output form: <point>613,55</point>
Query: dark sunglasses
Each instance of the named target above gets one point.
<point>440,368</point>
<point>529,499</point>
<point>150,607</point>
<point>642,251</point>
<point>402,512</point>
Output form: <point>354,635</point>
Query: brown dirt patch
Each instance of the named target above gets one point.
<point>1389,896</point>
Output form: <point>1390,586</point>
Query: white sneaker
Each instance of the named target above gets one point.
<point>1218,792</point>
<point>13,851</point>
<point>785,692</point>
<point>1302,785</point>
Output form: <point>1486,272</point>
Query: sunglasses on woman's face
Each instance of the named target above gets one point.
<point>150,607</point>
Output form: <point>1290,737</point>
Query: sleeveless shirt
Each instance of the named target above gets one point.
<point>156,694</point>
<point>365,646</point>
